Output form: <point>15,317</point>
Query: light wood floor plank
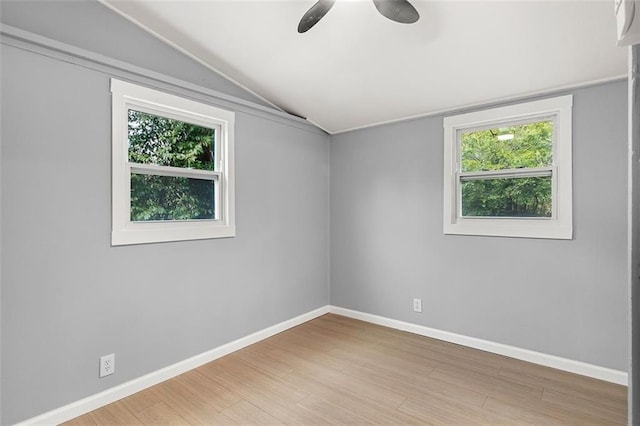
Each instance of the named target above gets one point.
<point>445,411</point>
<point>595,408</point>
<point>370,410</point>
<point>422,389</point>
<point>254,356</point>
<point>297,356</point>
<point>491,385</point>
<point>542,412</point>
<point>161,414</point>
<point>337,370</point>
<point>522,414</point>
<point>570,384</point>
<point>195,384</point>
<point>114,414</point>
<point>334,413</point>
<point>243,412</point>
<point>195,407</point>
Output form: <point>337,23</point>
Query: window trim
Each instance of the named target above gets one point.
<point>127,96</point>
<point>560,224</point>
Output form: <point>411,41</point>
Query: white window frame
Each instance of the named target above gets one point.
<point>560,224</point>
<point>126,96</point>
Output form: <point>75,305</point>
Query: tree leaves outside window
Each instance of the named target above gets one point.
<point>166,142</point>
<point>522,147</point>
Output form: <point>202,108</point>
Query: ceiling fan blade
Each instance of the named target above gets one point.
<point>314,14</point>
<point>397,10</point>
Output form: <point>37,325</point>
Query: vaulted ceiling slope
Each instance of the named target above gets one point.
<point>356,68</point>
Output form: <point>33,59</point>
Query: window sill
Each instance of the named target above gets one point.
<point>145,234</point>
<point>516,228</point>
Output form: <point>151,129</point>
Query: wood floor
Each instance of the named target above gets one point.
<point>336,370</point>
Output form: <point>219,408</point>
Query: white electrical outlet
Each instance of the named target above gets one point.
<point>107,365</point>
<point>417,305</point>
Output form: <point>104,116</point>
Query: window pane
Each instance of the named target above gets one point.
<point>519,146</point>
<point>167,142</point>
<point>512,197</point>
<point>171,198</point>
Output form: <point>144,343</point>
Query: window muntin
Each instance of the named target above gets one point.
<point>507,171</point>
<point>172,176</point>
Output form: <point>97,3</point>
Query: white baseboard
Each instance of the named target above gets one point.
<point>108,396</point>
<point>578,367</point>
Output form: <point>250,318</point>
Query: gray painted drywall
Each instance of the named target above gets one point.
<point>94,27</point>
<point>634,233</point>
<point>565,298</point>
<point>68,297</point>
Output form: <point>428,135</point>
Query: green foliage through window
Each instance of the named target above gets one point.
<point>521,147</point>
<point>171,198</point>
<point>513,197</point>
<point>166,142</point>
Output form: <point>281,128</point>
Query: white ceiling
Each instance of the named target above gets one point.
<point>356,68</point>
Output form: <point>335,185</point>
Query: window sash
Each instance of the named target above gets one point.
<point>189,118</point>
<point>530,119</point>
<point>155,170</point>
<point>507,174</point>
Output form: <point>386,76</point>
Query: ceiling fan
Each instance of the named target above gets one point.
<point>397,10</point>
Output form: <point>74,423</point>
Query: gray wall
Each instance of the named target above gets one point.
<point>90,25</point>
<point>565,298</point>
<point>68,297</point>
